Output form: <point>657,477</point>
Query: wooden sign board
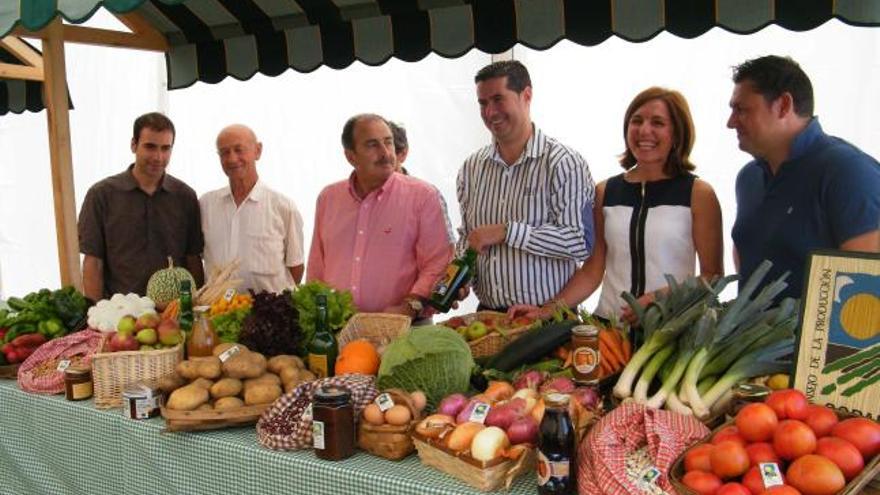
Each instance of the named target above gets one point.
<point>838,359</point>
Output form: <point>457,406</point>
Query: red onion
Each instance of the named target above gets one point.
<point>529,379</point>
<point>504,415</point>
<point>523,430</point>
<point>452,405</point>
<point>587,397</point>
<point>559,384</point>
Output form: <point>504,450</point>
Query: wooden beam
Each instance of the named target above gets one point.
<point>12,71</point>
<point>101,37</point>
<point>55,98</point>
<point>140,27</point>
<point>22,51</point>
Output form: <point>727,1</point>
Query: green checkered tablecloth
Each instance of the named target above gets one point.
<point>51,446</point>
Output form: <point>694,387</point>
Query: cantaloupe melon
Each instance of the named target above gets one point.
<point>164,285</point>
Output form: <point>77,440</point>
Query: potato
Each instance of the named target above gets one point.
<point>290,375</point>
<point>205,407</point>
<point>245,365</point>
<point>307,376</point>
<point>188,398</point>
<point>261,393</point>
<point>202,382</point>
<point>221,348</point>
<point>171,382</point>
<point>288,386</point>
<point>188,369</point>
<point>268,378</point>
<point>226,387</point>
<point>227,403</point>
<point>209,368</point>
<point>277,363</point>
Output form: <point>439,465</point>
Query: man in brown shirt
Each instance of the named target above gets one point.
<point>130,223</point>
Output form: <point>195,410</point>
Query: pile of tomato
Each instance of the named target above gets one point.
<point>815,451</point>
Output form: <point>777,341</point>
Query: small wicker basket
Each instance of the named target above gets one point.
<point>113,372</point>
<point>484,476</point>
<point>377,328</point>
<point>495,340</point>
<point>390,441</point>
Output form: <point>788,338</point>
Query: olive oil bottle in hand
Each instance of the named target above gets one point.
<point>458,274</point>
<point>323,348</point>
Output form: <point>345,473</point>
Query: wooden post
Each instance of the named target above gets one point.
<point>55,99</point>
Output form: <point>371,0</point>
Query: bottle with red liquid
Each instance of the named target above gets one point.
<point>555,466</point>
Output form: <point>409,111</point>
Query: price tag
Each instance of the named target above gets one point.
<point>770,474</point>
<point>318,435</point>
<point>63,365</point>
<point>478,415</point>
<point>228,353</point>
<point>307,414</point>
<point>648,477</point>
<point>384,401</point>
<point>229,294</point>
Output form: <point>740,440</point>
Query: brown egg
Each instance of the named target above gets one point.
<point>398,415</point>
<point>373,415</point>
<point>419,399</point>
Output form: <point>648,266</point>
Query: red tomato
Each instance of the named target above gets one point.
<point>781,490</point>
<point>728,433</point>
<point>753,481</point>
<point>702,482</point>
<point>761,452</point>
<point>756,422</point>
<point>815,475</point>
<point>788,404</point>
<point>793,439</point>
<point>861,432</point>
<point>697,458</point>
<point>820,420</point>
<point>733,489</point>
<point>844,454</point>
<point>729,459</point>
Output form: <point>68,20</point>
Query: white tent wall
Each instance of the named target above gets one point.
<point>580,96</point>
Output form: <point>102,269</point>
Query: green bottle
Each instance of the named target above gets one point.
<point>185,317</point>
<point>323,348</point>
<point>458,274</point>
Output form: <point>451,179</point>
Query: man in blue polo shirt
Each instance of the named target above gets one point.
<point>804,190</point>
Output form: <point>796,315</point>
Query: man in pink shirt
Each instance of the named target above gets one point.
<point>379,234</point>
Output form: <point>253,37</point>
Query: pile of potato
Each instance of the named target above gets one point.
<point>245,379</point>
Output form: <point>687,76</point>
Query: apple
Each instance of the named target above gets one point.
<point>147,347</point>
<point>523,321</point>
<point>147,336</point>
<point>123,342</point>
<point>476,330</point>
<point>126,325</point>
<point>169,333</point>
<point>456,323</point>
<point>149,319</point>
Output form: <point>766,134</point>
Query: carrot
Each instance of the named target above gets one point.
<point>604,368</point>
<point>612,345</point>
<point>607,356</point>
<point>627,349</point>
<point>171,310</point>
<point>567,361</point>
<point>561,352</point>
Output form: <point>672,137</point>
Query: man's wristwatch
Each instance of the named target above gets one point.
<point>415,306</point>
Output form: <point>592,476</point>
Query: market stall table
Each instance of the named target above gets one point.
<point>53,446</point>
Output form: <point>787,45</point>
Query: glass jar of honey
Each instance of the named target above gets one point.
<point>333,423</point>
<point>78,383</point>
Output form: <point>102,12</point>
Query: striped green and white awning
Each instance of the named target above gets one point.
<point>212,39</point>
<point>18,96</point>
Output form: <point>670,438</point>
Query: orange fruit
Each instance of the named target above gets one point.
<point>358,356</point>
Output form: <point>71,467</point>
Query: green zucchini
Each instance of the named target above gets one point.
<point>532,346</point>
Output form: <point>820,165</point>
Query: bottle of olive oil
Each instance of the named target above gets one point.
<point>323,348</point>
<point>458,274</point>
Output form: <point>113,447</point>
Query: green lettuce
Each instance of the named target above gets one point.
<point>433,359</point>
<point>340,307</point>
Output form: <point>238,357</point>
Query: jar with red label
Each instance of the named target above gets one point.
<point>556,444</point>
<point>585,354</point>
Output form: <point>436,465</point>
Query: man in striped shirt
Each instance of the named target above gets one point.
<point>526,199</point>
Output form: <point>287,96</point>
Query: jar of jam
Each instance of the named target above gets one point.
<point>332,423</point>
<point>746,393</point>
<point>77,383</point>
<point>585,354</point>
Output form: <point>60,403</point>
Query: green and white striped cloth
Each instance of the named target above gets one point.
<point>51,446</point>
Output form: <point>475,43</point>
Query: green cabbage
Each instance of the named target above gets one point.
<point>433,359</point>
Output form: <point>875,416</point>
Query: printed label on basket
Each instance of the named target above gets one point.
<point>585,360</point>
<point>478,415</point>
<point>548,469</point>
<point>317,434</point>
<point>228,353</point>
<point>63,365</point>
<point>229,294</point>
<point>384,401</point>
<point>649,477</point>
<point>771,474</point>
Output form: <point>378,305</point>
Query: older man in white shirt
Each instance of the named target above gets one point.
<point>249,221</point>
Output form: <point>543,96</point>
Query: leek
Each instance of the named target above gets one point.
<point>763,361</point>
<point>641,392</point>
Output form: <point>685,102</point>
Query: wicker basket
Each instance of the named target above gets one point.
<point>212,420</point>
<point>484,476</point>
<point>494,341</point>
<point>390,441</point>
<point>856,485</point>
<point>113,372</point>
<point>378,328</point>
